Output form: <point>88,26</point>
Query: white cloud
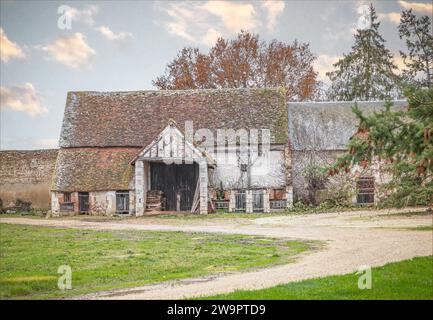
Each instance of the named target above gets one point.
<point>205,21</point>
<point>8,49</point>
<point>274,10</point>
<point>362,9</point>
<point>323,64</point>
<point>393,17</point>
<point>23,98</point>
<point>85,15</point>
<point>235,16</point>
<point>399,62</point>
<point>180,14</point>
<point>211,37</point>
<point>72,50</point>
<point>110,35</point>
<point>425,8</point>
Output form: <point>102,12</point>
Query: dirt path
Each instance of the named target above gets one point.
<point>353,239</point>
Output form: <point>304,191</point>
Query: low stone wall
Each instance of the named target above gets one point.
<point>27,175</point>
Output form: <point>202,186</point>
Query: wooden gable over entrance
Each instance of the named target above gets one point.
<point>170,163</point>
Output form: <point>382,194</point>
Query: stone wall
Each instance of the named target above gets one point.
<point>27,175</point>
<point>302,159</point>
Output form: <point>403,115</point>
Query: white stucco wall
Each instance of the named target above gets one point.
<point>102,202</point>
<point>266,171</point>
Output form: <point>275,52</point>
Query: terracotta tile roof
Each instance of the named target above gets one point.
<point>27,166</point>
<point>103,119</point>
<point>327,125</point>
<point>93,169</point>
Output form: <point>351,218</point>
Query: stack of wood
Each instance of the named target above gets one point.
<point>154,201</point>
<point>196,201</point>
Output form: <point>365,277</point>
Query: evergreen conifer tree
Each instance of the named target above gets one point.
<point>368,71</point>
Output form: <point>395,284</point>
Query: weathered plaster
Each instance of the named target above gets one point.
<point>264,172</point>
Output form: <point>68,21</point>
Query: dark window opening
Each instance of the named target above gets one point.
<point>66,206</point>
<point>83,202</point>
<point>222,204</point>
<point>240,201</point>
<point>278,204</point>
<point>67,197</point>
<point>122,202</point>
<point>365,190</point>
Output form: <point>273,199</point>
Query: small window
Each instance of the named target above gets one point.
<point>67,197</point>
<point>259,150</point>
<point>278,204</point>
<point>365,190</point>
<point>122,202</point>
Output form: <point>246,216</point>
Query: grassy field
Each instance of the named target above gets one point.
<point>409,279</point>
<point>421,228</point>
<point>411,214</point>
<point>102,260</point>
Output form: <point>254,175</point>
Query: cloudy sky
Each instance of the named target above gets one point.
<point>49,48</point>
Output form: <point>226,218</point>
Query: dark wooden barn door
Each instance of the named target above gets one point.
<point>177,182</point>
<point>83,202</point>
<point>258,201</point>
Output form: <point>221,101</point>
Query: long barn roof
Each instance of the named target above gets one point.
<point>93,169</point>
<point>133,119</point>
<point>327,125</point>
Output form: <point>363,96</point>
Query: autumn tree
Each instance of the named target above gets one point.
<point>403,142</point>
<point>368,71</point>
<point>417,33</point>
<point>244,62</point>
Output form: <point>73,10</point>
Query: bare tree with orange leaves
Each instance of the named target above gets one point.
<point>245,62</point>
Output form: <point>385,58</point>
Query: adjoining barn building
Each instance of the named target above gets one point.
<point>318,135</point>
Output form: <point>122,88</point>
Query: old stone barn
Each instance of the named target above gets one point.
<point>241,150</point>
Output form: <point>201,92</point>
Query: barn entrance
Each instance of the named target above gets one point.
<point>171,173</point>
<point>178,182</point>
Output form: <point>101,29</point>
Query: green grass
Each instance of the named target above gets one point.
<point>103,260</point>
<point>33,215</point>
<point>410,214</point>
<point>221,214</point>
<point>421,228</point>
<point>409,279</point>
